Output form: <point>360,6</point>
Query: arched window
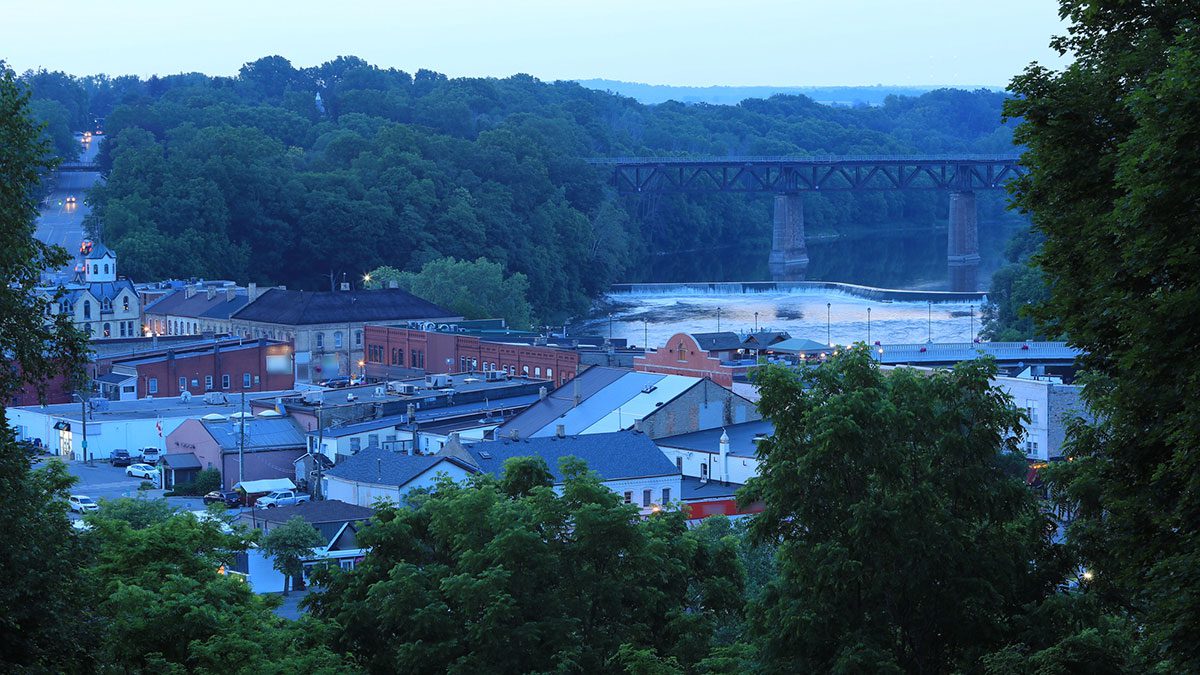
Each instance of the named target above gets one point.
<point>95,269</point>
<point>125,304</point>
<point>106,305</point>
<point>537,372</point>
<point>550,374</point>
<point>87,309</point>
<point>65,307</point>
<point>107,330</point>
<point>106,268</point>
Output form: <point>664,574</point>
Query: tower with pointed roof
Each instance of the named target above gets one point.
<point>99,264</point>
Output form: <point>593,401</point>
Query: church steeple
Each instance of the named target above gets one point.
<point>99,263</point>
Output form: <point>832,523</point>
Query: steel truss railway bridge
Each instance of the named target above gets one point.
<point>788,178</point>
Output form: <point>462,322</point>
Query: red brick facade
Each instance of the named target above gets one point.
<point>683,356</point>
<point>397,352</point>
<point>224,370</point>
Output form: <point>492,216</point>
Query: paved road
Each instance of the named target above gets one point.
<point>59,222</point>
<point>104,481</point>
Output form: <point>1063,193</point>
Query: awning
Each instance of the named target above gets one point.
<point>181,461</point>
<point>251,487</point>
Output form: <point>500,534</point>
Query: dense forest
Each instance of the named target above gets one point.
<point>253,178</point>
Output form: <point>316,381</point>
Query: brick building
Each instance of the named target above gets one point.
<point>394,353</point>
<point>683,355</point>
<point>230,366</point>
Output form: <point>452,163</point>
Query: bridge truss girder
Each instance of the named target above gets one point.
<point>793,176</point>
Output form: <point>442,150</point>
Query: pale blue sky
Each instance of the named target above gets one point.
<point>694,42</point>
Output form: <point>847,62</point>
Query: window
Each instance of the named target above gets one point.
<point>1031,408</point>
<point>372,440</point>
<point>337,339</point>
<point>357,338</point>
<point>320,340</point>
<point>105,305</point>
<point>95,269</point>
<point>152,385</point>
<point>355,444</point>
<point>225,381</point>
<point>537,372</point>
<point>87,309</point>
<point>195,383</point>
<point>64,307</point>
<point>646,497</point>
<point>106,268</point>
<point>125,304</point>
<point>550,374</point>
<point>525,370</point>
<point>628,497</point>
<point>679,464</point>
<point>245,380</point>
<point>122,324</point>
<point>666,495</point>
<point>108,330</point>
<point>182,384</point>
<point>207,382</point>
<point>704,470</point>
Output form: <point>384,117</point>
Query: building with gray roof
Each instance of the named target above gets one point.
<point>376,474</point>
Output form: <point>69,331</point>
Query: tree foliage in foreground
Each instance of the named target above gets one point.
<point>1113,183</point>
<point>289,544</point>
<point>479,579</point>
<point>907,541</point>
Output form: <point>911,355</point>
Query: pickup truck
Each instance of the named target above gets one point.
<point>282,498</point>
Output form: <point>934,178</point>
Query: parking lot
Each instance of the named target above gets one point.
<point>104,481</point>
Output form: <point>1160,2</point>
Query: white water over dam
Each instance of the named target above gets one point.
<point>818,311</point>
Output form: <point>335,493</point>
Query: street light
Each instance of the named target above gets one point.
<point>929,329</point>
<point>868,325</point>
<point>828,330</point>
<point>718,319</point>
<point>756,322</point>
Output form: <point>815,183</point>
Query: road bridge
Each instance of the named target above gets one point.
<point>789,177</point>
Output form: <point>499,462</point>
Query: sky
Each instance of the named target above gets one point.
<point>676,42</point>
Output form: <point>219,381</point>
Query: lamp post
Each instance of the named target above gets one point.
<point>718,319</point>
<point>756,322</point>
<point>645,335</point>
<point>971,336</point>
<point>868,326</point>
<point>929,322</point>
<point>828,330</point>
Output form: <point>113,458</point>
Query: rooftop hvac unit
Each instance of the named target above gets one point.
<point>495,376</point>
<point>439,381</point>
<point>216,398</point>
<point>407,388</point>
<point>379,391</point>
<point>313,398</point>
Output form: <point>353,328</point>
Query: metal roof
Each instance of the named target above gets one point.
<point>741,438</point>
<point>199,305</point>
<point>561,400</point>
<point>261,434</point>
<point>614,456</point>
<point>941,353</point>
<point>693,489</point>
<point>182,460</point>
<point>152,408</point>
<point>377,466</point>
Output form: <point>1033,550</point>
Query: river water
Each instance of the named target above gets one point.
<point>899,259</point>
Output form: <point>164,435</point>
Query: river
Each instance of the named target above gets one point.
<point>913,259</point>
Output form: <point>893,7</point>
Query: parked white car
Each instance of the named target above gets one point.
<point>142,471</point>
<point>82,504</point>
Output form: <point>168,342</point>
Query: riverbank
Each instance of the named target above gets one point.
<point>734,288</point>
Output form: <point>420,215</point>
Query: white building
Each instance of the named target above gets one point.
<point>376,474</point>
<point>1049,404</point>
<point>103,305</point>
<point>112,425</point>
<point>725,455</point>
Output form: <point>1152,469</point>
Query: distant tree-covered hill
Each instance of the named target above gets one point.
<point>732,95</point>
<point>254,177</point>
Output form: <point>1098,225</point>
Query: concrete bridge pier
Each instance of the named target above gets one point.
<point>962,246</point>
<point>789,255</point>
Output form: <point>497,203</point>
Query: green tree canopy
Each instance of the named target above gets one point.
<point>476,289</point>
<point>476,580</point>
<point>906,540</point>
<point>1114,171</point>
<point>290,544</point>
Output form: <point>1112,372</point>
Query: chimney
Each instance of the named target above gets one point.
<point>189,291</point>
<point>724,457</point>
<point>541,393</point>
<point>514,435</point>
<point>575,388</point>
<point>230,294</point>
<point>251,291</point>
<point>379,469</point>
<point>454,437</point>
<point>560,430</point>
<point>210,293</point>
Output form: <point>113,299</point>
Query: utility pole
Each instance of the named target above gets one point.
<point>868,327</point>
<point>718,319</point>
<point>320,451</point>
<point>242,442</point>
<point>83,418</point>
<point>929,324</point>
<point>828,317</point>
<point>971,337</point>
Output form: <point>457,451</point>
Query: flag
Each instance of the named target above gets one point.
<point>158,425</point>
